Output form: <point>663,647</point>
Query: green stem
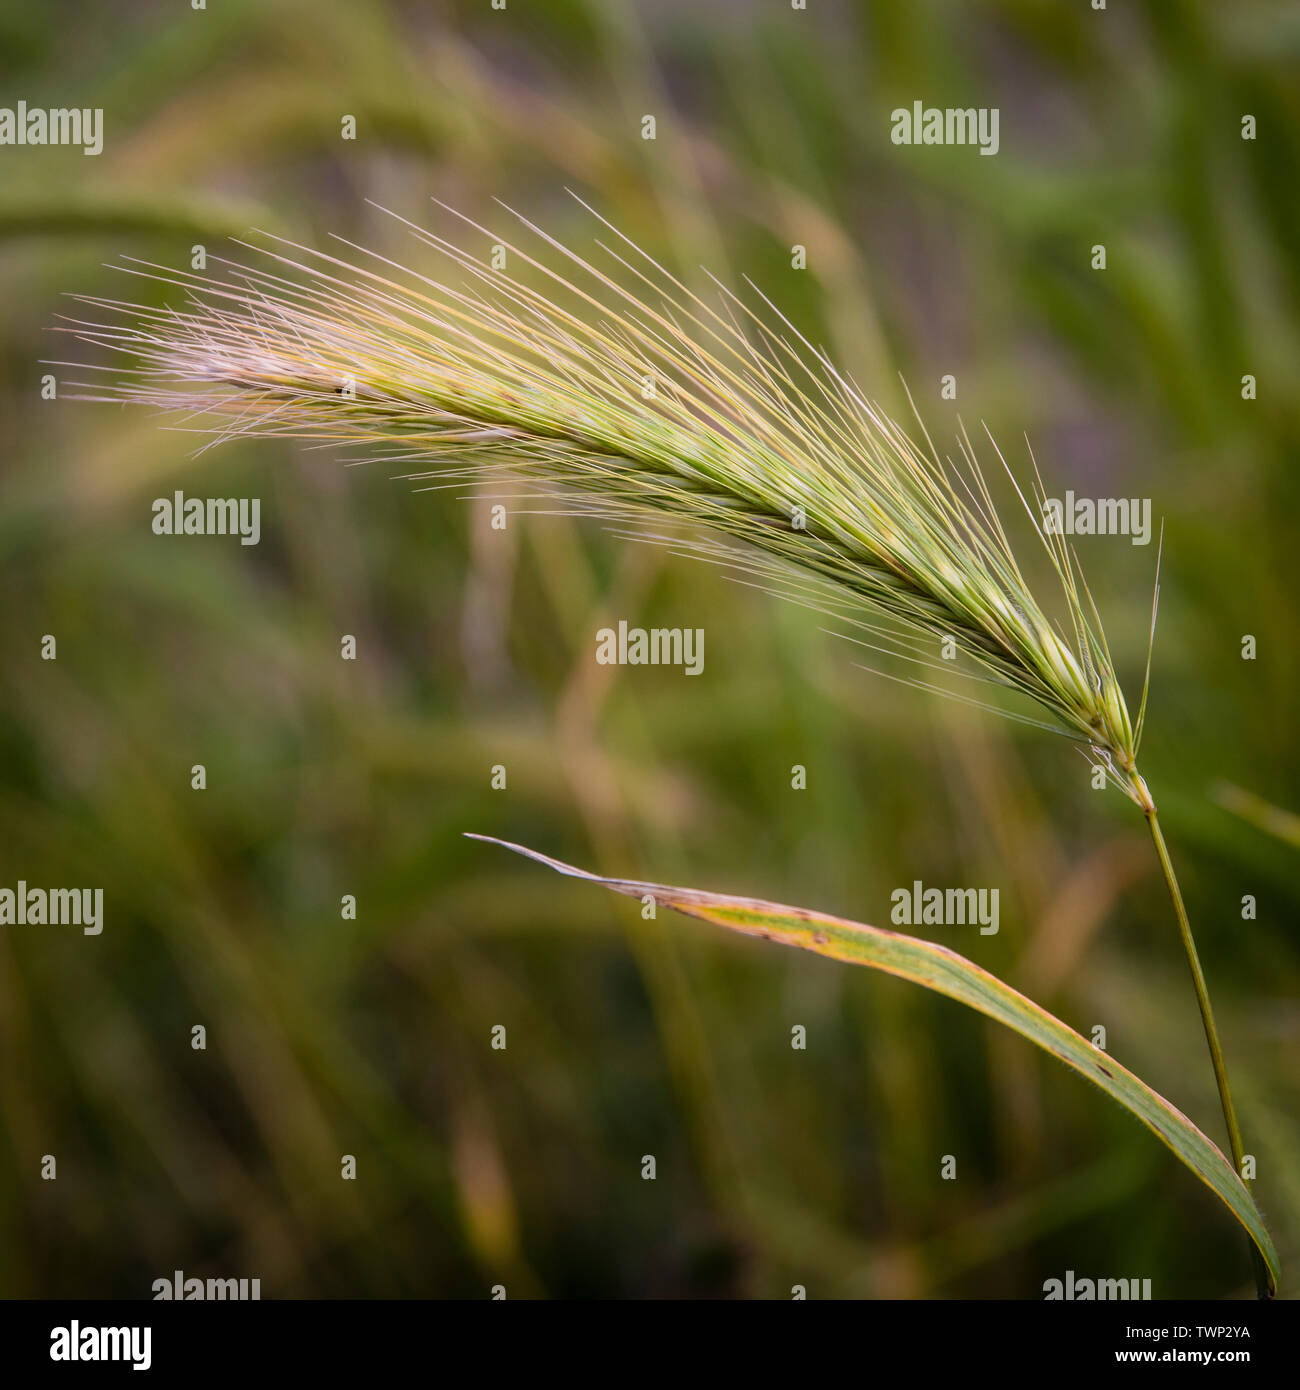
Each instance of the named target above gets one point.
<point>1207,1018</point>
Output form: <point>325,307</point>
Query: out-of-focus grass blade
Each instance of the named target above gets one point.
<point>944,971</point>
<point>75,214</point>
<point>1263,815</point>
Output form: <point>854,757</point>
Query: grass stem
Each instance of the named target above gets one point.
<point>1207,1019</point>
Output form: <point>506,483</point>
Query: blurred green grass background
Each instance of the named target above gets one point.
<point>775,1167</point>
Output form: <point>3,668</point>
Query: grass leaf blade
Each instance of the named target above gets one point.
<point>937,968</point>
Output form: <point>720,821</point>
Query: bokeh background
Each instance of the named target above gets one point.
<point>775,1167</point>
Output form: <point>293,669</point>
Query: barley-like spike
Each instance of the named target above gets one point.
<point>629,401</point>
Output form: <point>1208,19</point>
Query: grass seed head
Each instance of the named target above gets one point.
<point>619,393</point>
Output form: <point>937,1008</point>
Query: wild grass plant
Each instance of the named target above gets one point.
<point>704,423</point>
